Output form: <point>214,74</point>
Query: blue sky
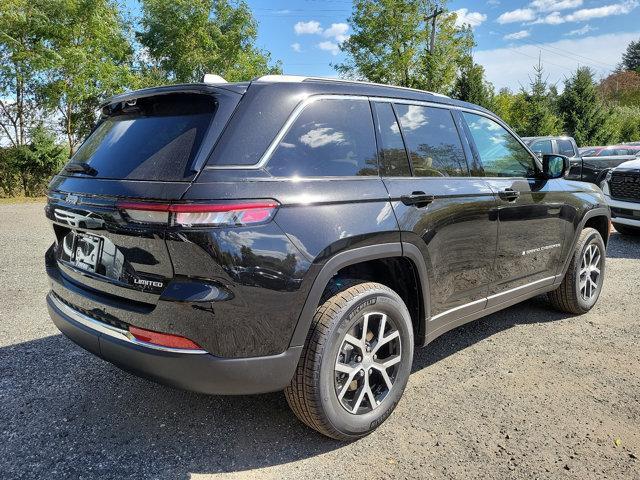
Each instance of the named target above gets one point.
<point>510,34</point>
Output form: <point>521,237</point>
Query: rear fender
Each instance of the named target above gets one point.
<point>352,257</point>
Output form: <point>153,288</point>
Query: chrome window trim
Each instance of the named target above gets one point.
<point>266,156</point>
<point>490,116</point>
<point>297,111</point>
<point>112,331</point>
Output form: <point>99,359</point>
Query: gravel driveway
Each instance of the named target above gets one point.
<point>524,393</point>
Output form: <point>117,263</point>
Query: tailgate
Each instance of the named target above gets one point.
<point>97,248</point>
<point>148,145</point>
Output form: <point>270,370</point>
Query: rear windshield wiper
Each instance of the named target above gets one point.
<point>81,168</point>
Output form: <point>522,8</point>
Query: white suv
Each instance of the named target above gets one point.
<point>622,190</point>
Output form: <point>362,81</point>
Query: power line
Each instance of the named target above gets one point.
<point>549,48</point>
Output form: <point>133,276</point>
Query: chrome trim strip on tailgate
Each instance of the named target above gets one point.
<point>112,331</point>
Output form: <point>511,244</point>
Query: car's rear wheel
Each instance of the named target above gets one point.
<point>626,229</point>
<point>582,284</point>
<point>356,361</point>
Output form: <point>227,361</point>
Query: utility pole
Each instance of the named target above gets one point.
<point>433,17</point>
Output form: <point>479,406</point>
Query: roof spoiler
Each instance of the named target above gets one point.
<point>211,78</point>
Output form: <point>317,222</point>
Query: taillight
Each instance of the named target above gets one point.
<point>201,214</point>
<point>163,339</point>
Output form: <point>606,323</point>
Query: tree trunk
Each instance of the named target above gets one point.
<point>20,107</point>
<point>69,129</point>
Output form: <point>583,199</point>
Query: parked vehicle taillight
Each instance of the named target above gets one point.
<point>201,214</point>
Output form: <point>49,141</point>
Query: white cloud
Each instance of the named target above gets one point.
<point>329,47</point>
<point>552,19</point>
<point>517,35</point>
<point>585,14</point>
<point>580,31</point>
<point>296,47</point>
<point>555,5</point>
<point>337,31</point>
<point>413,118</point>
<point>465,17</point>
<point>511,67</point>
<point>309,28</point>
<point>519,15</point>
<point>493,3</point>
<point>600,12</point>
<point>319,137</point>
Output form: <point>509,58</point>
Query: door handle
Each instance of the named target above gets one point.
<point>509,194</point>
<point>419,199</point>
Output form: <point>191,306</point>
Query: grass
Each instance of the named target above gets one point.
<point>11,200</point>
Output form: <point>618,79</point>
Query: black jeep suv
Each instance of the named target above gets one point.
<point>305,234</point>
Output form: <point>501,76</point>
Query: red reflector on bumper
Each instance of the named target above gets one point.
<point>163,339</point>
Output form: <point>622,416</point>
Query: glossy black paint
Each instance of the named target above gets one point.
<point>200,373</point>
<point>251,291</point>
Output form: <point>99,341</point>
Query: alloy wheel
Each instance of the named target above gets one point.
<point>590,272</point>
<point>367,363</point>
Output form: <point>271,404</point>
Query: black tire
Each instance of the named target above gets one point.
<point>313,392</point>
<point>626,229</point>
<point>569,297</point>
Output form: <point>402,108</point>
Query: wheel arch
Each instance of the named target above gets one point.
<point>369,258</point>
<point>598,218</point>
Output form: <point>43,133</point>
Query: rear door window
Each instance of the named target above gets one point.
<point>153,138</point>
<point>542,146</point>
<point>393,156</point>
<point>432,140</point>
<point>565,147</point>
<point>330,138</point>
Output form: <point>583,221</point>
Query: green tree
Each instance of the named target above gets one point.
<point>586,118</point>
<point>189,38</point>
<point>502,104</point>
<point>631,58</point>
<point>390,44</point>
<point>471,86</point>
<point>23,53</point>
<point>518,116</point>
<point>627,119</point>
<point>34,164</point>
<point>530,112</point>
<point>93,61</point>
<point>541,119</point>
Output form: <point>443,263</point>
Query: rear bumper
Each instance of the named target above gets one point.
<point>197,370</point>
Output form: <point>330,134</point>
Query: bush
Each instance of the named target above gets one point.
<point>27,169</point>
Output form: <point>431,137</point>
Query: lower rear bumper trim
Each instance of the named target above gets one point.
<point>110,330</point>
<point>203,372</point>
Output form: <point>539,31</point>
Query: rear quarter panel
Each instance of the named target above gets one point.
<point>270,268</point>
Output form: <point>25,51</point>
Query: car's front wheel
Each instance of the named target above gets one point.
<point>356,361</point>
<point>582,284</point>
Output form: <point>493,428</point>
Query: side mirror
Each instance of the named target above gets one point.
<point>555,166</point>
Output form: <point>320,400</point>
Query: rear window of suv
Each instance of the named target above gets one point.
<point>153,138</point>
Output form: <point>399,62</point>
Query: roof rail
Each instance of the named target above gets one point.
<point>376,84</point>
<point>300,78</point>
